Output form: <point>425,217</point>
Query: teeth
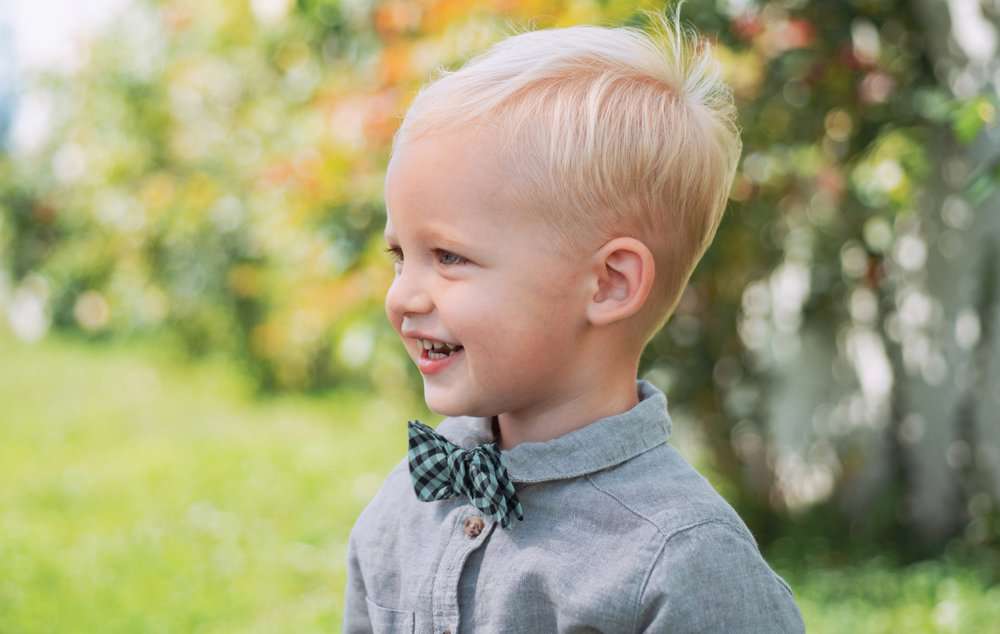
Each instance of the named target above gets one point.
<point>437,345</point>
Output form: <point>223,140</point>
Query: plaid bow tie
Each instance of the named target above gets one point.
<point>441,469</point>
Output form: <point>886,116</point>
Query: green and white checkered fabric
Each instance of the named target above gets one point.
<point>440,469</point>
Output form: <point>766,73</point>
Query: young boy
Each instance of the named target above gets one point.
<point>550,200</point>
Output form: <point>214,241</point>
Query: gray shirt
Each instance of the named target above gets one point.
<point>620,534</point>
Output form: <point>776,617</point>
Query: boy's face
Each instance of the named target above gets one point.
<point>482,274</point>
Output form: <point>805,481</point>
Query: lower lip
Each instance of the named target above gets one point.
<point>433,366</point>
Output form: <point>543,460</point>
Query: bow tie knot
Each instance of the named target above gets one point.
<point>440,469</point>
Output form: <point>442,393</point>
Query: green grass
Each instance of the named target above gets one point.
<point>141,494</point>
<point>875,597</point>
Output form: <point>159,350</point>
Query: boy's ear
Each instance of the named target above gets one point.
<point>623,274</point>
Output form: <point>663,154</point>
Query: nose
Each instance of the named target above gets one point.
<point>406,295</point>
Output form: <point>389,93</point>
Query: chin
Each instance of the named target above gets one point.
<point>445,411</point>
<point>442,407</point>
<point>450,407</point>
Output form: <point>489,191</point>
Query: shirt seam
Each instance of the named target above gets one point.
<point>659,531</point>
<point>619,500</point>
<point>663,546</point>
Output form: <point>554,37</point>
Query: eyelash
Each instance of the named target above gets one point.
<point>397,255</point>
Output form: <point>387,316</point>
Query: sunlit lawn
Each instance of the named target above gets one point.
<point>138,494</point>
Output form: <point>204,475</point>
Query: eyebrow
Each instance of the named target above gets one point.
<point>431,235</point>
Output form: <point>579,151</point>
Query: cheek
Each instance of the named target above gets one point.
<point>524,315</point>
<point>527,323</point>
<point>552,301</point>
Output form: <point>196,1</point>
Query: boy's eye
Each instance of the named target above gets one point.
<point>446,257</point>
<point>446,254</point>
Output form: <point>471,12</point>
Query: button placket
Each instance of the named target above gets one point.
<point>474,531</point>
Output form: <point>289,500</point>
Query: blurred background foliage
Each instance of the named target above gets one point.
<point>208,176</point>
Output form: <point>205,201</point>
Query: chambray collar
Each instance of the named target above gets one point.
<point>603,443</point>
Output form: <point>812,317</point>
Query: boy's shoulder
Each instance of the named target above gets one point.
<point>663,487</point>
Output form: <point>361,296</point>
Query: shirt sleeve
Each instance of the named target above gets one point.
<point>711,578</point>
<point>356,620</point>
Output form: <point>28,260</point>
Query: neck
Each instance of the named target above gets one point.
<point>567,412</point>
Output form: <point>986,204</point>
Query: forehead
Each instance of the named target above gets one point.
<point>448,186</point>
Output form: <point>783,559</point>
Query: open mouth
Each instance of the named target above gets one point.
<point>434,355</point>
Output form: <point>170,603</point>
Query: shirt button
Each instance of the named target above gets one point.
<point>473,526</point>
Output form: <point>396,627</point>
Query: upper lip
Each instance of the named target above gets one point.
<point>420,335</point>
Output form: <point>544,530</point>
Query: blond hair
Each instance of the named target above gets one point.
<point>610,131</point>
